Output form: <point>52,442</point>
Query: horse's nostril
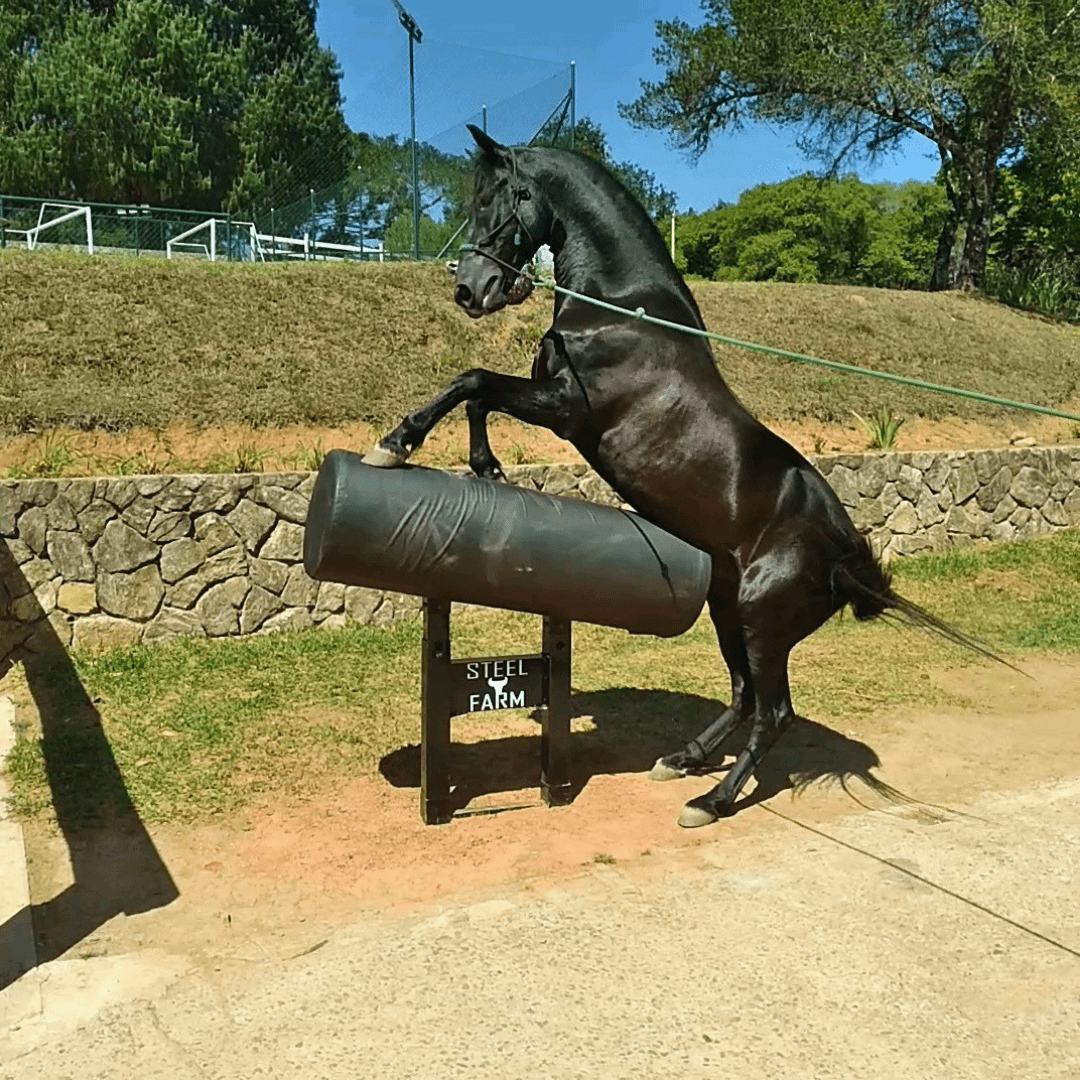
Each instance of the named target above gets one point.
<point>463,295</point>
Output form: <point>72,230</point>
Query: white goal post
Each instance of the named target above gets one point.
<point>72,212</point>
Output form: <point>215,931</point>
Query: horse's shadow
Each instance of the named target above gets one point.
<point>630,729</point>
<point>115,867</point>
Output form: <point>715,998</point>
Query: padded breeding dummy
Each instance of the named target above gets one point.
<point>425,532</point>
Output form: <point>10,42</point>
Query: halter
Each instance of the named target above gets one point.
<point>523,283</point>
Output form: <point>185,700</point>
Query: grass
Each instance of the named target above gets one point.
<point>200,728</point>
<point>116,343</point>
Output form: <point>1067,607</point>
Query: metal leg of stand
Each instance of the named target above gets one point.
<point>435,715</point>
<point>555,731</point>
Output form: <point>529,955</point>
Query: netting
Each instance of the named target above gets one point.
<point>366,212</point>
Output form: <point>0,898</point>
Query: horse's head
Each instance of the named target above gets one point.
<point>508,225</point>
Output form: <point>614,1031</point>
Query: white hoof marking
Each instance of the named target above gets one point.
<point>693,817</point>
<point>661,772</point>
<point>382,458</point>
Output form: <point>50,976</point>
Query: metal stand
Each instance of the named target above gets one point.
<point>449,688</point>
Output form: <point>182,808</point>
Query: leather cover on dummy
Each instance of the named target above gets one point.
<point>429,533</point>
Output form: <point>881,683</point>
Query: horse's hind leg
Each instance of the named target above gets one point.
<point>773,715</point>
<point>729,632</point>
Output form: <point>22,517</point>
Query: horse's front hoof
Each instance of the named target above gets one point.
<point>383,457</point>
<point>661,771</point>
<point>696,813</point>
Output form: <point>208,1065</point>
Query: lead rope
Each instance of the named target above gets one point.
<point>801,358</point>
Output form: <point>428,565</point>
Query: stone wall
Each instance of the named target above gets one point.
<point>147,558</point>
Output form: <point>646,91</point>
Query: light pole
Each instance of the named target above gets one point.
<point>415,34</point>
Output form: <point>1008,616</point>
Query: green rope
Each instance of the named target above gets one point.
<point>802,358</point>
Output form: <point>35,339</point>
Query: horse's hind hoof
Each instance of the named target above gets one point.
<point>383,458</point>
<point>696,813</point>
<point>661,772</point>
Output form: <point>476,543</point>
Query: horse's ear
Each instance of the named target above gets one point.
<point>495,152</point>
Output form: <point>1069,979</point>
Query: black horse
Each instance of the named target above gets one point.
<point>648,409</point>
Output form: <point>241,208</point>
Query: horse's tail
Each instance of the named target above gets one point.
<point>860,580</point>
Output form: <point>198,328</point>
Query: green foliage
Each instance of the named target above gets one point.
<point>433,234</point>
<point>856,77</point>
<point>817,231</point>
<point>881,428</point>
<point>160,101</point>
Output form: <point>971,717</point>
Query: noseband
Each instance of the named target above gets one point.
<point>523,283</point>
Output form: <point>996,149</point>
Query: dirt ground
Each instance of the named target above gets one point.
<point>239,448</point>
<point>281,876</point>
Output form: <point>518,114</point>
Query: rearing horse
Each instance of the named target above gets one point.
<point>648,409</point>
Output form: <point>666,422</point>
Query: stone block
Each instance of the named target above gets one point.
<point>77,598</point>
<point>285,503</point>
<point>122,548</point>
<point>1054,513</point>
<point>285,543</point>
<point>909,483</point>
<point>560,481</point>
<point>78,493</point>
<point>299,590</point>
<point>927,510</point>
<point>148,486</point>
<point>868,514</point>
<point>134,595</point>
<point>361,603</point>
<point>179,558</point>
<point>330,599</point>
<point>936,476</point>
<point>903,520</point>
<point>258,607</point>
<point>33,525</point>
<point>95,632</point>
<point>1030,487</point>
<point>268,575</point>
<point>872,476</point>
<point>179,493</point>
<point>251,522</point>
<point>995,489</point>
<point>171,623</point>
<point>844,482</point>
<point>217,608</point>
<point>10,507</point>
<point>60,514</point>
<point>289,619</point>
<point>963,482</point>
<point>93,519</point>
<point>70,555</point>
<point>217,493</point>
<point>214,533</point>
<point>138,514</point>
<point>33,605</point>
<point>169,525</point>
<point>120,492</point>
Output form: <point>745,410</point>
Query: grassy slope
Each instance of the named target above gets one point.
<point>117,343</point>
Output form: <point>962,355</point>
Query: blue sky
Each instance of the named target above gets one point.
<point>612,45</point>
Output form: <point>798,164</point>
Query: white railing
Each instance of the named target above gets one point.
<point>308,249</point>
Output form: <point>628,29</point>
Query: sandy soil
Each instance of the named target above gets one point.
<point>239,448</point>
<point>272,877</point>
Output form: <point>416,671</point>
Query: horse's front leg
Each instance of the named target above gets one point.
<point>482,459</point>
<point>556,403</point>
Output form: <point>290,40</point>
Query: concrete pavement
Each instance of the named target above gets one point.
<point>885,944</point>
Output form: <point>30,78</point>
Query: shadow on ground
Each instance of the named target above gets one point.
<point>632,728</point>
<point>115,867</point>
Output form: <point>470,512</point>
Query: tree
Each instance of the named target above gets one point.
<point>174,102</point>
<point>974,77</point>
<point>811,230</point>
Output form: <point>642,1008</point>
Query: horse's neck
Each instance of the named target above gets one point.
<point>605,255</point>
